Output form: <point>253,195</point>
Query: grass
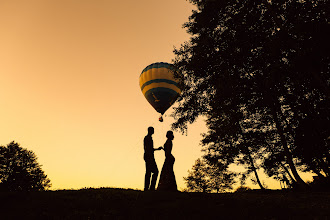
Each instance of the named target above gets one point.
<point>109,203</point>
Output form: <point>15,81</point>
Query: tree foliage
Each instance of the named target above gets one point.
<point>259,72</point>
<point>205,177</point>
<point>20,171</point>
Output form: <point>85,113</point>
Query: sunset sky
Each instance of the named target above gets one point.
<point>69,87</point>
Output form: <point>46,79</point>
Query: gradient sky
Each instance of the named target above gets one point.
<point>69,88</point>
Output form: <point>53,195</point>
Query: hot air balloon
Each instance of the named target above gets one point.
<point>159,86</point>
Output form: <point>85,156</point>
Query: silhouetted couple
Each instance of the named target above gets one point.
<point>167,180</point>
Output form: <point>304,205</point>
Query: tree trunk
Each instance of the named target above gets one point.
<point>325,167</point>
<point>254,168</point>
<point>287,152</point>
<point>318,173</point>
<point>274,107</point>
<point>288,172</point>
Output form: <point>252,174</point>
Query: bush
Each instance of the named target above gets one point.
<point>243,189</point>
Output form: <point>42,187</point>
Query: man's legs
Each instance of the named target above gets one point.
<point>147,180</point>
<point>154,179</point>
<point>151,167</point>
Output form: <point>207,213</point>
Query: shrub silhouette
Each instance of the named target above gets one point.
<point>243,189</point>
<point>20,171</point>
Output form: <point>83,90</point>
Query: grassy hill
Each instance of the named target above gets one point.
<point>108,203</point>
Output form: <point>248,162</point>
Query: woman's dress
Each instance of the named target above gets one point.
<point>167,180</point>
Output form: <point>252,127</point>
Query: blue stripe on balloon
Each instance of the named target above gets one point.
<point>159,81</point>
<point>157,65</point>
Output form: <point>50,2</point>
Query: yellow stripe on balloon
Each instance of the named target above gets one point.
<point>157,85</point>
<point>156,73</point>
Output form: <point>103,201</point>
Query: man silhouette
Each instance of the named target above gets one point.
<point>149,158</point>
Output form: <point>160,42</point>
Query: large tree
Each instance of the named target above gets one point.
<point>255,58</point>
<point>20,171</point>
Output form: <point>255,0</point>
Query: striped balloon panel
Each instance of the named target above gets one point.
<point>159,86</point>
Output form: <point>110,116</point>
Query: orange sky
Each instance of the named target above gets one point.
<point>69,86</point>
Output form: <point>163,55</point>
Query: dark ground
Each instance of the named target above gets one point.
<point>107,203</point>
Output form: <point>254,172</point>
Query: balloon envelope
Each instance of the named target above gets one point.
<point>159,86</point>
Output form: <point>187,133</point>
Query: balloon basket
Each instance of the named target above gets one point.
<point>161,118</point>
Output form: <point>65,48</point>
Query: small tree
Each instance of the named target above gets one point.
<point>220,180</point>
<point>206,177</point>
<point>197,180</point>
<point>20,171</point>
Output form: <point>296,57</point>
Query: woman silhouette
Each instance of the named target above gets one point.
<point>167,180</point>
